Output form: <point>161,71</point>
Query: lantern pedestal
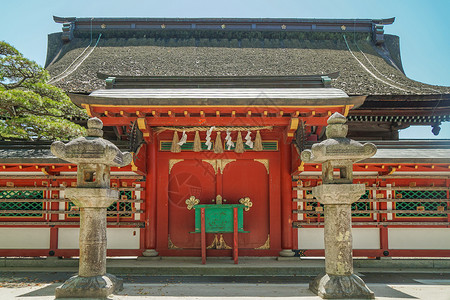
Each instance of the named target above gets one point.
<point>339,280</point>
<point>92,280</point>
<point>330,286</point>
<point>89,287</point>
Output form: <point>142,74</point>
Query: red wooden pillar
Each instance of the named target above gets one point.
<point>448,199</point>
<point>53,218</point>
<point>286,200</point>
<point>150,197</point>
<point>235,235</point>
<point>384,238</point>
<point>203,233</point>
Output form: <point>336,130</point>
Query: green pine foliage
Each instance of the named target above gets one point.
<point>31,109</point>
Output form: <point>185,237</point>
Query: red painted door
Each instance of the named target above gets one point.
<point>249,178</point>
<point>190,177</point>
<point>233,180</point>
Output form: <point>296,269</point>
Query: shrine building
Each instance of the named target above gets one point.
<point>216,112</point>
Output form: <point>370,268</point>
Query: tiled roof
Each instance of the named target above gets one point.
<point>365,68</point>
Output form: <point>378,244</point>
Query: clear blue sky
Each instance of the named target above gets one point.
<point>423,26</point>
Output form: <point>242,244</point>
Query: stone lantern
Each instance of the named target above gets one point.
<point>94,156</point>
<point>337,193</point>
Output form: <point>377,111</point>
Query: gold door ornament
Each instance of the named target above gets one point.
<point>218,164</point>
<point>266,245</point>
<point>172,163</point>
<point>218,243</point>
<point>222,164</point>
<point>246,201</point>
<point>191,202</point>
<point>265,162</point>
<point>212,162</point>
<point>171,245</point>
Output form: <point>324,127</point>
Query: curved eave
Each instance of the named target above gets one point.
<point>32,160</point>
<point>410,156</point>
<point>220,97</point>
<point>407,160</point>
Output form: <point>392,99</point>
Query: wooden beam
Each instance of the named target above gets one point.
<point>379,211</point>
<point>392,188</point>
<point>58,188</point>
<point>211,121</point>
<point>61,200</point>
<point>18,211</point>
<point>135,224</point>
<point>381,200</point>
<point>298,224</point>
<point>4,176</point>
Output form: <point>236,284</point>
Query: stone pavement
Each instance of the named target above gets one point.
<point>263,278</point>
<point>402,286</point>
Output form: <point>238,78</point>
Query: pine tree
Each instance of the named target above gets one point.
<point>31,109</point>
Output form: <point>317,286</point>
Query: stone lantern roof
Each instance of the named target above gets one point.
<point>337,146</point>
<point>92,149</point>
<point>338,151</point>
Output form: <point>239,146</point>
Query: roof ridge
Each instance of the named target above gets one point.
<point>387,21</point>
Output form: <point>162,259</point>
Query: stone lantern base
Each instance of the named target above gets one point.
<point>340,287</point>
<point>99,287</point>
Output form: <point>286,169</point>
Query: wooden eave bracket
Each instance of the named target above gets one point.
<point>290,131</point>
<point>145,129</point>
<point>87,107</point>
<point>49,171</point>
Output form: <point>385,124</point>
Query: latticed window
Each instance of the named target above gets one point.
<point>421,205</point>
<point>123,206</point>
<point>21,205</point>
<point>311,205</point>
<point>355,206</point>
<point>362,206</point>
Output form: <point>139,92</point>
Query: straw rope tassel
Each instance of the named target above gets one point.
<point>239,144</point>
<point>175,148</point>
<point>218,147</point>
<point>197,142</point>
<point>258,146</point>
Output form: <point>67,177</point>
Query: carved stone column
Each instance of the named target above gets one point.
<point>93,196</point>
<point>337,194</point>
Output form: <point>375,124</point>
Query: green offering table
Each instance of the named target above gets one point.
<point>215,218</point>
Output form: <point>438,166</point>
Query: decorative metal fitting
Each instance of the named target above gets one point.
<point>246,201</point>
<point>191,202</point>
<point>219,200</point>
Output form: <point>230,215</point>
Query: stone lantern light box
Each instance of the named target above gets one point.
<point>338,152</point>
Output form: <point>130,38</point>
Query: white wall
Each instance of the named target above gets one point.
<point>118,238</point>
<point>24,238</point>
<point>363,238</point>
<point>419,238</point>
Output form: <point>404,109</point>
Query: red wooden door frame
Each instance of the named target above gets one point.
<point>162,212</point>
